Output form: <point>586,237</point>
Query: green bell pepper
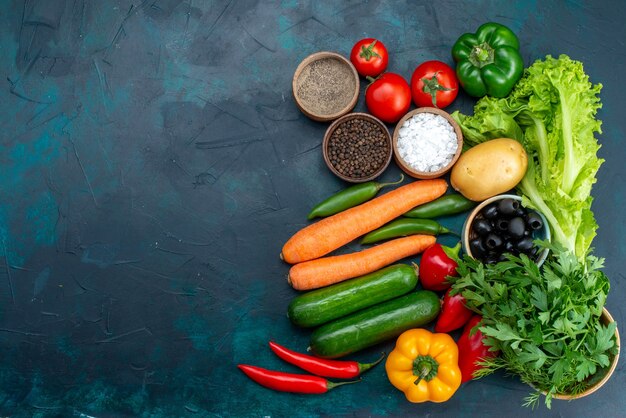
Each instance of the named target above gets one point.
<point>488,61</point>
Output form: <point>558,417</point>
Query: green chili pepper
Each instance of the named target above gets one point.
<point>350,197</point>
<point>449,204</point>
<point>488,62</point>
<point>403,228</point>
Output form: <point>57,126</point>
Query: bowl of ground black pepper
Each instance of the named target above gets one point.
<point>357,147</point>
<point>325,86</point>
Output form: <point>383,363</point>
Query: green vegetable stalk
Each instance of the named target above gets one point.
<point>552,112</point>
<point>545,322</point>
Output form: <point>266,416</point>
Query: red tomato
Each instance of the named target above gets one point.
<point>369,57</point>
<point>388,97</point>
<point>434,84</point>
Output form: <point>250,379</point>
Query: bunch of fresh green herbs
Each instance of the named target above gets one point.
<point>545,322</point>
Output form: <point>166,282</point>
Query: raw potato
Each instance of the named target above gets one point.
<point>490,168</point>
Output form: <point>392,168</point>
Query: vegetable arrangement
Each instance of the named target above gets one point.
<point>551,112</point>
<point>532,131</point>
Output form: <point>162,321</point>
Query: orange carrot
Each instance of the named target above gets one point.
<point>330,233</point>
<point>328,270</point>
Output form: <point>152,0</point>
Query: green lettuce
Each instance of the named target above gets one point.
<point>552,112</point>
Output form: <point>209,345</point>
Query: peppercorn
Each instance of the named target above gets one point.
<point>358,148</point>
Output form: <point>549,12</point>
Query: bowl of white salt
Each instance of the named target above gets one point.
<point>427,142</point>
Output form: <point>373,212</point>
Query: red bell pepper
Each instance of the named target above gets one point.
<point>437,263</point>
<point>454,314</point>
<point>472,349</point>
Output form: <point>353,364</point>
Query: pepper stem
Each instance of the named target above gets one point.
<point>381,185</point>
<point>444,230</point>
<point>366,366</point>
<point>482,55</point>
<point>453,252</point>
<point>425,368</point>
<point>331,385</point>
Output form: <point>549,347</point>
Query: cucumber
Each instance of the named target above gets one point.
<point>374,325</point>
<point>323,305</point>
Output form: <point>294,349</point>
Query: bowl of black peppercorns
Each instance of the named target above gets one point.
<point>500,225</point>
<point>357,147</point>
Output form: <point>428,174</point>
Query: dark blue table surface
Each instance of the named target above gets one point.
<point>153,162</point>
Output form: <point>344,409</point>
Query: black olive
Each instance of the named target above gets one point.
<point>508,206</point>
<point>482,226</point>
<point>492,241</point>
<point>490,211</point>
<point>517,227</point>
<point>520,212</point>
<point>477,248</point>
<point>534,221</point>
<point>509,246</point>
<point>525,244</point>
<point>492,258</point>
<point>502,224</point>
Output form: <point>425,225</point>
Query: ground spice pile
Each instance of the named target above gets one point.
<point>358,148</point>
<point>326,86</point>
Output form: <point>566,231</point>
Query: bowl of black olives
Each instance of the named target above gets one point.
<point>501,225</point>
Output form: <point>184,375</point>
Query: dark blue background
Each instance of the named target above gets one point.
<point>153,162</point>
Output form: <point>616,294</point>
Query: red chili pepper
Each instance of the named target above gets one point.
<point>323,367</point>
<point>289,382</point>
<point>438,262</point>
<point>454,314</point>
<point>472,349</point>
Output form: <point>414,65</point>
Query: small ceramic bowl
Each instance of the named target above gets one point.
<point>423,174</point>
<point>325,86</point>
<point>468,233</point>
<point>605,375</point>
<point>339,123</point>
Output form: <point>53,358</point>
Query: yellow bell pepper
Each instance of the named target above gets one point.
<point>424,366</point>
